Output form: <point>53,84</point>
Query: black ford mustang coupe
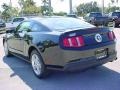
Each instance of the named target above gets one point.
<point>60,43</point>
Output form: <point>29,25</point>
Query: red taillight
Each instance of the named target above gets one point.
<point>111,35</point>
<point>73,41</point>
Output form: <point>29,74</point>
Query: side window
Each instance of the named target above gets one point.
<point>25,26</point>
<point>36,27</point>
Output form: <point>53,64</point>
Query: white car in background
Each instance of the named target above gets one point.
<point>17,20</point>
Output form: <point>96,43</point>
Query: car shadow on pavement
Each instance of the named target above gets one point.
<point>100,78</point>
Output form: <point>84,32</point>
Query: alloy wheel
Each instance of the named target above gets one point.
<point>36,64</point>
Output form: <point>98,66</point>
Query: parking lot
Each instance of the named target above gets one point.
<point>16,74</point>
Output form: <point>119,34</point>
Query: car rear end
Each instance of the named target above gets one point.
<point>117,20</point>
<point>100,20</point>
<point>116,17</point>
<point>78,48</point>
<point>82,49</point>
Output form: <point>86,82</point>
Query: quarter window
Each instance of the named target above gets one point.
<point>36,27</point>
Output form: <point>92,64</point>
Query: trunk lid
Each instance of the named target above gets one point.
<point>101,18</point>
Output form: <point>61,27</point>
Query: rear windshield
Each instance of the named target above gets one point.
<point>18,19</point>
<point>65,23</point>
<point>116,14</point>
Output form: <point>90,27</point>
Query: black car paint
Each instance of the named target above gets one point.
<point>22,43</point>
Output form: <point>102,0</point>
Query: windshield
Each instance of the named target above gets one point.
<point>116,14</point>
<point>95,15</point>
<point>65,23</point>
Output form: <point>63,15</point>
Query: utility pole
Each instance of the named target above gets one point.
<point>10,3</point>
<point>70,6</point>
<point>50,8</point>
<point>103,6</point>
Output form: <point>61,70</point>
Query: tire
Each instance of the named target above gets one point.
<point>96,25</point>
<point>106,24</point>
<point>6,50</point>
<point>115,24</point>
<point>37,64</point>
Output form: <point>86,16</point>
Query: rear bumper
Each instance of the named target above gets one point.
<point>56,56</point>
<point>88,62</point>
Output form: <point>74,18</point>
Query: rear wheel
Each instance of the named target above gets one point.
<point>38,66</point>
<point>6,50</point>
<point>115,24</point>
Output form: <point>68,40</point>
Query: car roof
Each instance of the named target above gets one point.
<point>39,19</point>
<point>61,22</point>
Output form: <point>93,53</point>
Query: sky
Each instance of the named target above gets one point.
<point>58,5</point>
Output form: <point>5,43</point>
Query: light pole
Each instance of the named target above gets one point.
<point>50,8</point>
<point>10,3</point>
<point>102,6</point>
<point>70,6</point>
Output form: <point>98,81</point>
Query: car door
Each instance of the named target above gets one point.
<point>17,40</point>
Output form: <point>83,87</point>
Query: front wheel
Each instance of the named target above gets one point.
<point>38,66</point>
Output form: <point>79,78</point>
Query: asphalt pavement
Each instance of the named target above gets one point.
<point>16,74</point>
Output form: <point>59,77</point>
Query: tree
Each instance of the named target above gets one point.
<point>83,9</point>
<point>6,11</point>
<point>14,11</point>
<point>114,1</point>
<point>112,6</point>
<point>112,9</point>
<point>9,11</point>
<point>45,7</point>
<point>29,7</point>
<point>60,14</point>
